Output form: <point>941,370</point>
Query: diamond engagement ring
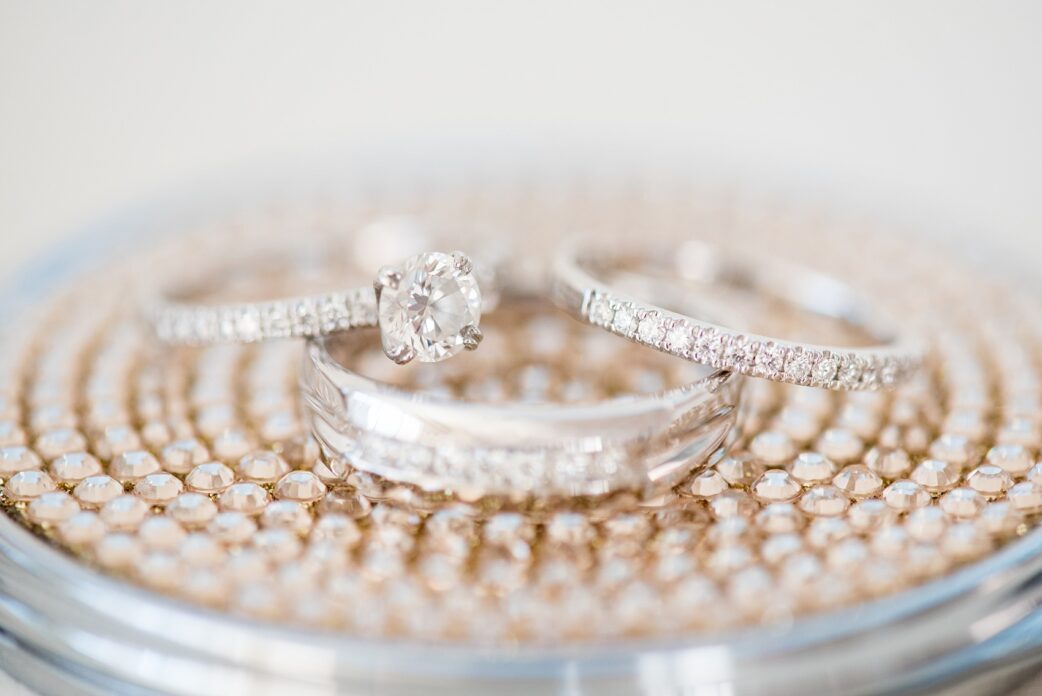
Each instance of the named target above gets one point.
<point>594,286</point>
<point>428,308</point>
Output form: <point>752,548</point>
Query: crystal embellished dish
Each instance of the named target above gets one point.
<point>171,527</point>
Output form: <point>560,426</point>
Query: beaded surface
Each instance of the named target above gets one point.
<point>189,472</point>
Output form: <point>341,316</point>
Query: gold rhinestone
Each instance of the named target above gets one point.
<point>18,458</point>
<point>776,486</point>
<point>133,465</point>
<point>232,527</point>
<point>11,434</point>
<point>1000,519</point>
<point>888,463</point>
<point>707,483</point>
<point>192,509</point>
<point>160,533</point>
<point>302,486</point>
<point>181,456</point>
<point>286,514</point>
<point>158,489</point>
<point>124,512</point>
<point>824,501</point>
<point>54,443</point>
<point>732,503</point>
<point>1026,497</point>
<point>936,475</point>
<point>780,518</point>
<point>74,467</point>
<point>840,445</point>
<point>200,550</point>
<point>926,524</point>
<point>989,480</point>
<point>962,502</point>
<point>95,491</point>
<point>340,529</point>
<point>210,477</point>
<point>772,447</point>
<point>1013,459</point>
<point>262,466</point>
<point>905,495</point>
<point>811,467</point>
<point>346,501</point>
<point>117,550</point>
<point>248,498</point>
<point>866,515</point>
<point>739,470</point>
<point>957,449</point>
<point>114,440</point>
<point>858,481</point>
<point>52,508</point>
<point>82,528</point>
<point>29,484</point>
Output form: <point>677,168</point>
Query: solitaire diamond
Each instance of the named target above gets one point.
<point>429,307</point>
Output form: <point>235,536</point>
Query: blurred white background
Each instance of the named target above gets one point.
<point>923,111</point>
<point>926,111</point>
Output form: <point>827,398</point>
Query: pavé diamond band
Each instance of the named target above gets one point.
<point>428,308</point>
<point>585,284</point>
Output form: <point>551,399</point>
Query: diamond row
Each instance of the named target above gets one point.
<point>756,357</point>
<point>249,323</point>
<point>500,469</point>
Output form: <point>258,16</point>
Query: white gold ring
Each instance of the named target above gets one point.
<point>584,284</point>
<point>428,308</point>
<point>515,449</point>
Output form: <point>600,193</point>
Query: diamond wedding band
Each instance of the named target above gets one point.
<point>584,284</point>
<point>428,308</point>
<point>437,442</point>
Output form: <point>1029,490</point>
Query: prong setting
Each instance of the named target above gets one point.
<point>464,264</point>
<point>472,336</point>
<point>401,354</point>
<point>388,277</point>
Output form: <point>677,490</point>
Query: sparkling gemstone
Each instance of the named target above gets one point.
<point>824,500</point>
<point>812,467</point>
<point>625,320</point>
<point>962,502</point>
<point>133,465</point>
<point>53,507</point>
<point>650,329</point>
<point>905,495</point>
<point>159,488</point>
<point>192,509</point>
<point>858,481</point>
<point>601,312</point>
<point>75,466</point>
<point>248,498</point>
<point>678,339</point>
<point>262,466</point>
<point>84,527</point>
<point>124,512</point>
<point>776,485</point>
<point>95,491</point>
<point>302,486</point>
<point>936,475</point>
<point>989,480</point>
<point>29,484</point>
<point>18,458</point>
<point>210,477</point>
<point>429,312</point>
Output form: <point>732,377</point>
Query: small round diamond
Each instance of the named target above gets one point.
<point>429,308</point>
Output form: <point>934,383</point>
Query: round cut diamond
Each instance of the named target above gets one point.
<point>429,308</point>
